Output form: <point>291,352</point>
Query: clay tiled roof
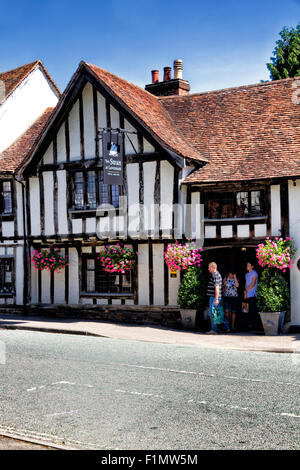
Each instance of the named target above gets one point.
<point>250,132</point>
<point>14,77</point>
<point>12,157</point>
<point>149,111</point>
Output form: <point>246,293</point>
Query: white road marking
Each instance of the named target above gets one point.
<point>62,413</point>
<point>139,393</point>
<point>208,404</point>
<point>290,414</point>
<point>61,382</point>
<point>203,374</point>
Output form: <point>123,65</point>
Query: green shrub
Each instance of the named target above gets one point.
<point>192,289</point>
<point>273,293</point>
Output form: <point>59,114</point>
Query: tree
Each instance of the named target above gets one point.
<point>286,56</point>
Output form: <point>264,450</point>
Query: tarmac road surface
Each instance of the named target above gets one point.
<point>102,393</point>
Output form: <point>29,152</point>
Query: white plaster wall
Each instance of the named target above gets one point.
<point>166,195</point>
<point>174,283</point>
<point>62,202</point>
<point>275,210</point>
<point>59,284</point>
<point>61,144</point>
<point>196,215</point>
<point>148,148</point>
<point>210,231</point>
<point>294,218</point>
<point>76,225</point>
<point>24,106</point>
<point>88,120</point>
<point>182,197</point>
<point>260,230</point>
<point>114,117</point>
<point>243,231</point>
<point>143,274</point>
<point>8,229</point>
<point>102,123</point>
<point>73,277</point>
<point>86,301</point>
<point>48,156</point>
<point>35,213</point>
<point>133,137</point>
<point>133,197</point>
<point>46,281</point>
<point>158,274</point>
<point>74,132</point>
<point>49,205</point>
<point>91,225</point>
<point>226,231</point>
<point>149,170</point>
<point>103,227</point>
<point>19,267</point>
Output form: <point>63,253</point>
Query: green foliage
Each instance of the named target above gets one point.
<point>285,62</point>
<point>192,289</point>
<point>273,293</point>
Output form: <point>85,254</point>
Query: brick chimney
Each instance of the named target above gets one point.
<point>169,86</point>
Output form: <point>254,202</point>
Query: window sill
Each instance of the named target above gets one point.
<point>237,219</point>
<point>6,295</point>
<point>79,213</point>
<point>7,216</point>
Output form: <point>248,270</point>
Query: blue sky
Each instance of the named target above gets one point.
<point>222,43</point>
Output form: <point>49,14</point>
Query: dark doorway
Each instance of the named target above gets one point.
<point>233,259</point>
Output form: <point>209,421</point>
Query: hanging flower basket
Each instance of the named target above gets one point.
<point>48,259</point>
<point>181,257</point>
<point>117,258</point>
<point>278,253</point>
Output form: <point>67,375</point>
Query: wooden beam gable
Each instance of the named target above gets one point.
<point>73,93</point>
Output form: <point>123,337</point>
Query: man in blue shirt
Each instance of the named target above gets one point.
<point>214,292</point>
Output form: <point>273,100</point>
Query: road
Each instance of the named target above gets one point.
<point>100,393</point>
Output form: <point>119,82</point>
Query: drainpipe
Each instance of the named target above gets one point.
<point>26,247</point>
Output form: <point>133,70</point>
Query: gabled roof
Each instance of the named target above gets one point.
<point>147,109</point>
<point>138,103</point>
<point>247,133</point>
<point>12,157</point>
<point>13,78</point>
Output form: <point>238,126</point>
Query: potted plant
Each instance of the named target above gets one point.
<point>187,257</point>
<point>273,295</point>
<point>273,298</point>
<point>191,296</point>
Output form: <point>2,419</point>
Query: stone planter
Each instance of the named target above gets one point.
<point>188,318</point>
<point>272,322</point>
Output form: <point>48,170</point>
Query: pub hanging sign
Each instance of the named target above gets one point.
<point>112,157</point>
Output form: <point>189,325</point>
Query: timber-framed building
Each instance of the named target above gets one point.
<point>234,151</point>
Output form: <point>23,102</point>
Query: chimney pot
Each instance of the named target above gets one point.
<point>155,76</point>
<point>178,68</point>
<point>167,73</point>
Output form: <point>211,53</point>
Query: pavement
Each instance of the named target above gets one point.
<point>243,341</point>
